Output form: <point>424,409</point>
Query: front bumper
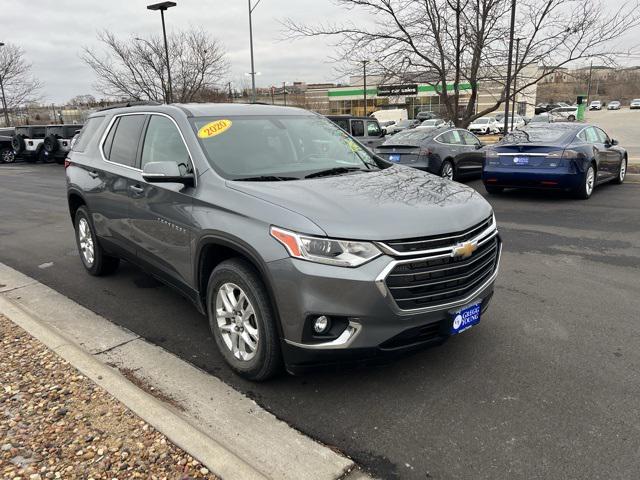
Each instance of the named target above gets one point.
<point>377,328</point>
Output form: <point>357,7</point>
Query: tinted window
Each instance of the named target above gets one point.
<point>536,134</point>
<point>592,136</point>
<point>343,124</point>
<point>357,128</point>
<point>87,133</point>
<point>163,143</point>
<point>373,129</point>
<point>469,138</point>
<point>125,140</point>
<point>452,136</point>
<point>602,137</point>
<point>108,142</point>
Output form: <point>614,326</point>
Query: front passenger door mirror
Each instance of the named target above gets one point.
<point>166,172</point>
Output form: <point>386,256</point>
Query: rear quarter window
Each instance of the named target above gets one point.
<point>87,133</point>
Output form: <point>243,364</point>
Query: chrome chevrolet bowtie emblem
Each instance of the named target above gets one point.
<point>464,249</point>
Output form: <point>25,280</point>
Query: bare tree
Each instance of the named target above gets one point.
<point>136,68</point>
<point>448,43</point>
<point>19,85</point>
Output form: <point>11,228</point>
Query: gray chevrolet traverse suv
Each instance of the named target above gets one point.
<point>301,246</point>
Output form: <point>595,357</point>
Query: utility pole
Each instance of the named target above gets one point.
<point>230,93</point>
<point>253,70</point>
<point>515,81</point>
<point>4,99</point>
<point>162,6</point>
<point>508,86</point>
<point>589,84</point>
<point>364,81</point>
<point>284,92</point>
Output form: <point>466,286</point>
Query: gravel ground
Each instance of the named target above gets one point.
<point>56,423</point>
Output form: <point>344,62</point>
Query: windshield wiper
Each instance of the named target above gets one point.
<point>265,178</point>
<point>333,171</point>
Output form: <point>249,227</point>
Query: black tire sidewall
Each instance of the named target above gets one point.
<point>453,169</point>
<point>2,152</point>
<point>267,357</point>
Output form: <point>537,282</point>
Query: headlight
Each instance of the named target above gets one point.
<point>343,253</point>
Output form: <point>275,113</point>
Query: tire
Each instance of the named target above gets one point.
<point>99,263</point>
<point>571,118</point>
<point>585,189</point>
<point>7,155</point>
<point>493,190</point>
<point>448,170</point>
<point>17,142</point>
<point>238,278</point>
<point>621,173</point>
<point>51,144</point>
<point>45,157</point>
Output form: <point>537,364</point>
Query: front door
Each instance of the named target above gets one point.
<point>161,214</point>
<point>470,158</point>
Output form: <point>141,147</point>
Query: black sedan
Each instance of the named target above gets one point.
<point>446,151</point>
<point>561,156</point>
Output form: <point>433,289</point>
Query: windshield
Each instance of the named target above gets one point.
<point>278,147</point>
<point>482,121</point>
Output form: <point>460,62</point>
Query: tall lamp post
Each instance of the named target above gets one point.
<point>364,81</point>
<point>162,6</point>
<point>253,70</point>
<point>4,100</point>
<point>508,86</point>
<point>515,80</point>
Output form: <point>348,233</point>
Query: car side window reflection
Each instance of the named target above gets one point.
<point>357,128</point>
<point>163,143</point>
<point>373,129</point>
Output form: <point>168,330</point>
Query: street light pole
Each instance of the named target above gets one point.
<point>515,81</point>
<point>508,86</point>
<point>4,99</point>
<point>162,7</point>
<point>253,70</point>
<point>364,81</point>
<point>284,92</point>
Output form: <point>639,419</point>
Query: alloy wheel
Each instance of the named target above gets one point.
<point>590,180</point>
<point>623,169</point>
<point>85,239</point>
<point>8,156</point>
<point>447,171</point>
<point>237,322</point>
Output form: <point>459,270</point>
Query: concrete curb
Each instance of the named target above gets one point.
<point>633,177</point>
<point>216,419</point>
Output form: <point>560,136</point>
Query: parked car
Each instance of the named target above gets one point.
<point>7,154</point>
<point>393,114</point>
<point>595,105</point>
<point>424,115</point>
<point>57,141</point>
<point>562,114</point>
<point>547,107</point>
<point>279,240</point>
<point>432,123</point>
<point>541,118</point>
<point>450,152</point>
<point>635,103</point>
<point>516,122</point>
<point>28,143</point>
<point>484,125</point>
<point>566,156</point>
<point>614,105</point>
<point>366,129</point>
<point>402,125</point>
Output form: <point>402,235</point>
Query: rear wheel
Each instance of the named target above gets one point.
<point>622,172</point>
<point>588,183</point>
<point>571,118</point>
<point>241,320</point>
<point>93,257</point>
<point>7,155</point>
<point>447,170</point>
<point>493,190</point>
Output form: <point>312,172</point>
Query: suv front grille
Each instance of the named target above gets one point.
<point>416,245</point>
<point>441,278</point>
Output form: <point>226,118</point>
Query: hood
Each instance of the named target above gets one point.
<point>395,203</point>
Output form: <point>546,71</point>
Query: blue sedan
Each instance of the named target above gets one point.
<point>562,156</point>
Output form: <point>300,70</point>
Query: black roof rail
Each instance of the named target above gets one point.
<point>133,103</point>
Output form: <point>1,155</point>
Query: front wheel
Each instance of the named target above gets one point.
<point>571,118</point>
<point>242,322</point>
<point>585,189</point>
<point>622,172</point>
<point>447,170</point>
<point>7,155</point>
<point>93,257</point>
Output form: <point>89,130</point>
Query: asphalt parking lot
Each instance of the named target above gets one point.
<point>547,386</point>
<point>620,124</point>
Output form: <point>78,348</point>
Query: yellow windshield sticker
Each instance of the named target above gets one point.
<point>214,128</point>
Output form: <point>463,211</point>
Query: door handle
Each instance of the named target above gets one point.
<point>94,174</point>
<point>136,189</point>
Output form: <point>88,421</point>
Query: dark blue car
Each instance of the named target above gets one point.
<point>562,156</point>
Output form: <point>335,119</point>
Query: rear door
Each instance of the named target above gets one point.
<point>452,145</point>
<point>161,214</point>
<point>109,198</point>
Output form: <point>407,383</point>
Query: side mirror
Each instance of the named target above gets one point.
<point>479,145</point>
<point>165,172</point>
<point>614,142</point>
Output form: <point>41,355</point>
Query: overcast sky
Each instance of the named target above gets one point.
<point>53,33</point>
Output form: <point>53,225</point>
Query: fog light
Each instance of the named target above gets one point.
<point>321,324</point>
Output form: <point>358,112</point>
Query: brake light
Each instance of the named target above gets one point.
<point>67,163</point>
